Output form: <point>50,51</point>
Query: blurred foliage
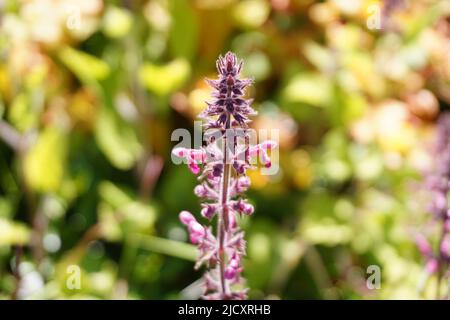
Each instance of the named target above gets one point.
<point>91,90</point>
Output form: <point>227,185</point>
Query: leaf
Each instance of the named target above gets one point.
<point>310,88</point>
<point>113,195</point>
<point>329,234</point>
<point>13,233</point>
<point>21,114</point>
<point>183,36</point>
<point>85,66</point>
<point>120,213</point>
<point>251,13</point>
<point>44,162</point>
<point>169,247</point>
<point>117,22</point>
<point>165,79</point>
<point>319,56</point>
<point>117,140</point>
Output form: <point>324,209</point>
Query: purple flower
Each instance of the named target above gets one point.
<point>437,182</point>
<point>222,166</point>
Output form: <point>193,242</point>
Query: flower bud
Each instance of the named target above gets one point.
<point>200,191</point>
<point>268,145</point>
<point>196,232</point>
<point>431,266</point>
<point>230,273</point>
<point>208,211</point>
<point>186,217</point>
<point>195,169</point>
<point>423,245</point>
<point>180,152</point>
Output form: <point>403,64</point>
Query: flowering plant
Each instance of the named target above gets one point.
<point>224,161</point>
<point>437,182</point>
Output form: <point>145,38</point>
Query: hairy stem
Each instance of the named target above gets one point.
<point>223,217</point>
<point>441,262</point>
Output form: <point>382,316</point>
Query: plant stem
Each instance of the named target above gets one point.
<point>223,217</point>
<point>441,261</point>
<point>18,279</point>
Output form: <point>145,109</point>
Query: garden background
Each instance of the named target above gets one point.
<point>91,90</point>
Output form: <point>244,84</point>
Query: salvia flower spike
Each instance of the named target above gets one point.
<point>437,181</point>
<point>221,166</point>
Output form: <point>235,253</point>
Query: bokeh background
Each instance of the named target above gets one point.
<point>91,90</point>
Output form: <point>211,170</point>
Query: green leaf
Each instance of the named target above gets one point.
<point>21,114</point>
<point>183,37</point>
<point>251,13</point>
<point>45,162</point>
<point>117,140</point>
<point>310,88</point>
<point>165,79</point>
<point>120,213</point>
<point>13,233</point>
<point>168,247</point>
<point>85,66</point>
<point>117,22</point>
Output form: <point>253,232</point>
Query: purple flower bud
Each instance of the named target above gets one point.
<point>200,191</point>
<point>438,182</point>
<point>180,152</point>
<point>258,150</point>
<point>243,183</point>
<point>423,245</point>
<point>447,225</point>
<point>230,273</point>
<point>232,220</point>
<point>239,167</point>
<point>268,145</point>
<point>208,211</point>
<point>431,266</point>
<point>186,217</point>
<point>232,269</point>
<point>445,246</point>
<point>243,207</point>
<point>217,170</point>
<point>248,209</point>
<point>195,169</point>
<point>196,232</point>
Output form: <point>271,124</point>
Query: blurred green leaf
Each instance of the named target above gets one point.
<point>183,36</point>
<point>85,66</point>
<point>168,247</point>
<point>251,13</point>
<point>117,22</point>
<point>21,115</point>
<point>13,233</point>
<point>117,140</point>
<point>44,163</point>
<point>310,88</point>
<point>164,79</point>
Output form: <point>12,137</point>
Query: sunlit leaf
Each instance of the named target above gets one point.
<point>309,88</point>
<point>183,36</point>
<point>13,233</point>
<point>117,140</point>
<point>164,79</point>
<point>44,162</point>
<point>85,66</point>
<point>251,13</point>
<point>117,22</point>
